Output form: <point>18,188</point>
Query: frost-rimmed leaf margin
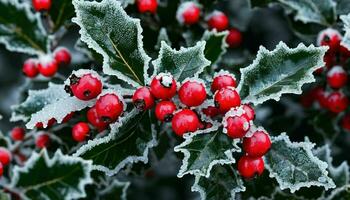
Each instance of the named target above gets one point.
<point>210,33</point>
<point>162,36</point>
<point>60,158</point>
<point>117,183</point>
<point>346,39</point>
<point>307,146</point>
<point>85,37</point>
<point>307,78</point>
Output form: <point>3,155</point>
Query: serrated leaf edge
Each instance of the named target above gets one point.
<point>117,183</point>
<point>346,39</point>
<point>223,46</point>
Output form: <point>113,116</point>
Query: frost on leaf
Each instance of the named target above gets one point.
<point>203,151</point>
<point>129,141</point>
<point>183,63</point>
<point>116,190</point>
<point>106,28</point>
<point>340,193</point>
<point>294,166</point>
<point>163,36</point>
<point>346,39</point>
<point>215,45</point>
<point>20,29</point>
<point>223,183</point>
<point>281,71</point>
<point>60,12</point>
<point>64,177</point>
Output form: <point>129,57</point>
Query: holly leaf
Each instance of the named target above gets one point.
<point>183,63</point>
<point>341,193</point>
<point>128,142</point>
<point>59,177</point>
<point>20,29</point>
<point>125,3</point>
<point>281,71</point>
<point>163,36</point>
<point>106,28</point>
<point>202,151</point>
<point>117,190</point>
<point>223,183</point>
<point>343,7</point>
<point>346,39</point>
<point>215,45</point>
<point>294,166</point>
<point>60,12</point>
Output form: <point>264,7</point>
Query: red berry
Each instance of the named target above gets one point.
<point>346,122</point>
<point>329,59</point>
<point>95,120</point>
<point>86,87</point>
<point>211,111</point>
<point>143,98</point>
<point>109,108</point>
<point>249,111</point>
<point>62,56</point>
<point>331,38</point>
<point>41,5</point>
<point>218,20</point>
<point>5,156</point>
<point>68,117</point>
<point>337,102</point>
<point>234,38</point>
<point>226,98</point>
<point>147,6</point>
<point>248,167</point>
<point>80,131</point>
<point>164,110</point>
<point>257,145</point>
<point>222,81</point>
<point>321,96</point>
<point>236,126</point>
<point>50,123</point>
<point>163,86</point>
<point>192,93</point>
<point>1,169</point>
<point>185,121</point>
<point>30,68</point>
<point>42,141</point>
<point>188,13</point>
<point>344,51</point>
<point>47,66</point>
<point>17,133</point>
<point>337,77</point>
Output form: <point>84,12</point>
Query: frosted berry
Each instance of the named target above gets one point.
<point>257,145</point>
<point>5,156</point>
<point>234,38</point>
<point>17,133</point>
<point>249,111</point>
<point>50,123</point>
<point>1,169</point>
<point>42,141</point>
<point>218,20</point>
<point>249,167</point>
<point>345,122</point>
<point>95,120</point>
<point>163,86</point>
<point>164,110</point>
<point>47,66</point>
<point>222,81</point>
<point>62,56</point>
<point>30,68</point>
<point>185,121</point>
<point>226,98</point>
<point>143,98</point>
<point>188,13</point>
<point>322,97</point>
<point>86,87</point>
<point>331,38</point>
<point>68,117</point>
<point>109,107</point>
<point>344,51</point>
<point>80,131</point>
<point>236,126</point>
<point>147,6</point>
<point>192,93</point>
<point>337,77</point>
<point>211,111</point>
<point>337,102</point>
<point>41,5</point>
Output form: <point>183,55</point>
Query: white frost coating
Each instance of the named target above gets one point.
<point>82,72</point>
<point>46,58</point>
<point>346,39</point>
<point>336,70</point>
<point>308,78</point>
<point>214,14</point>
<point>207,34</point>
<point>162,36</point>
<point>166,79</point>
<point>224,73</point>
<point>85,37</point>
<point>335,192</point>
<point>327,32</point>
<point>254,129</point>
<point>307,146</point>
<point>182,8</point>
<point>58,158</point>
<point>114,184</point>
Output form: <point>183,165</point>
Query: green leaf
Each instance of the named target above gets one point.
<point>203,151</point>
<point>343,7</point>
<point>341,193</point>
<point>281,71</point>
<point>20,29</point>
<point>59,177</point>
<point>346,39</point>
<point>128,142</point>
<point>116,190</point>
<point>183,63</point>
<point>4,196</point>
<point>60,12</point>
<point>163,36</point>
<point>106,28</point>
<point>125,3</point>
<point>294,166</point>
<point>215,45</point>
<point>223,183</point>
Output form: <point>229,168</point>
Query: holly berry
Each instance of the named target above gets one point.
<point>185,121</point>
<point>163,86</point>
<point>109,107</point>
<point>42,141</point>
<point>322,97</point>
<point>344,51</point>
<point>68,117</point>
<point>211,111</point>
<point>226,98</point>
<point>337,102</point>
<point>47,66</point>
<point>17,133</point>
<point>5,156</point>
<point>93,119</point>
<point>248,167</point>
<point>222,81</point>
<point>234,38</point>
<point>345,122</point>
<point>80,131</point>
<point>331,38</point>
<point>62,56</point>
<point>1,169</point>
<point>257,145</point>
<point>337,77</point>
<point>192,93</point>
<point>50,123</point>
<point>85,87</point>
<point>188,13</point>
<point>147,6</point>
<point>218,20</point>
<point>164,110</point>
<point>249,111</point>
<point>41,5</point>
<point>236,126</point>
<point>30,68</point>
<point>143,98</point>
